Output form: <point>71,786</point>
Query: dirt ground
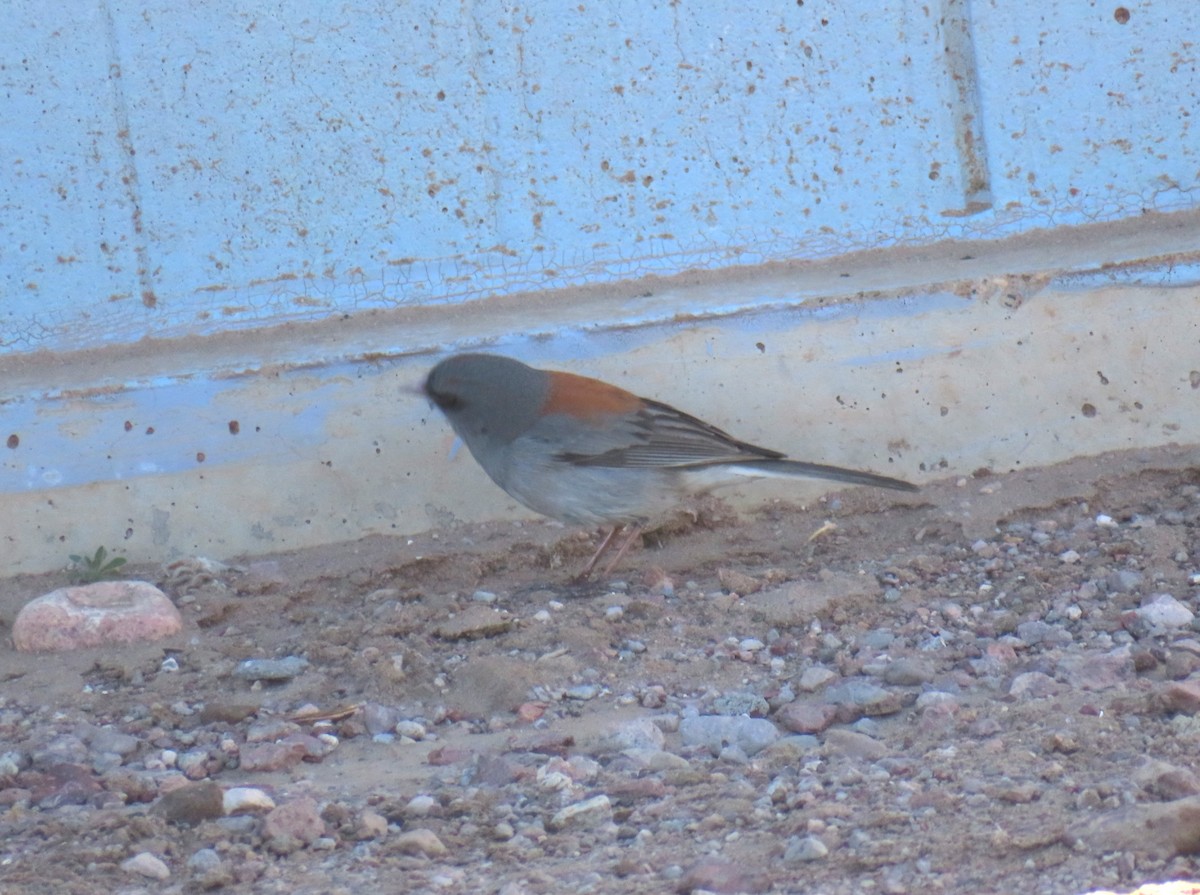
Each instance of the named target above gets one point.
<point>961,689</point>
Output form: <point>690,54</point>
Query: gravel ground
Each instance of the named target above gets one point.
<point>992,685</point>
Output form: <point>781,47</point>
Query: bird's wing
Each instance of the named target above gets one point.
<point>660,436</point>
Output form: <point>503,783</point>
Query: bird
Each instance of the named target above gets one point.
<point>588,453</point>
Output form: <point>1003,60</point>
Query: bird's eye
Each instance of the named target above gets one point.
<point>446,400</point>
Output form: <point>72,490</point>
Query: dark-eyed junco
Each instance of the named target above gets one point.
<point>585,452</point>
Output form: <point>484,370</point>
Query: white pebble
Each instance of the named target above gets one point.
<point>421,805</point>
<point>590,812</point>
<point>810,848</point>
<point>414,730</point>
<point>1106,521</point>
<point>419,842</point>
<point>553,780</point>
<point>1163,610</point>
<point>246,800</point>
<point>147,865</point>
<point>614,613</point>
<point>541,616</point>
<point>1070,557</point>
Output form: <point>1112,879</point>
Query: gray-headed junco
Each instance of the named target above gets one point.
<point>585,452</point>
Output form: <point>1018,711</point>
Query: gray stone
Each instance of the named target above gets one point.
<point>640,733</point>
<point>204,860</point>
<point>270,669</point>
<point>854,745</point>
<point>1123,581</point>
<point>808,848</point>
<point>908,672</point>
<point>379,718</point>
<point>715,732</point>
<point>1033,633</point>
<point>880,638</point>
<point>815,677</point>
<point>106,739</point>
<point>741,703</point>
<point>864,695</point>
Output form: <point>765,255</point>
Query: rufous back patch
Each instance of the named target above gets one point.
<point>582,396</point>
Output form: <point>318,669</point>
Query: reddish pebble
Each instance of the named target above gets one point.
<point>800,717</point>
<point>444,755</point>
<point>1002,653</point>
<point>1182,696</point>
<point>94,615</point>
<point>300,818</point>
<point>528,712</point>
<point>271,756</point>
<point>717,875</point>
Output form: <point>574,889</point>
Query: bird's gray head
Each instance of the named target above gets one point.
<point>485,396</point>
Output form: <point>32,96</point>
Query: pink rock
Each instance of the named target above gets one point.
<point>271,756</point>
<point>1002,653</point>
<point>60,784</point>
<point>1182,696</point>
<point>311,748</point>
<point>1088,671</point>
<point>94,615</point>
<point>718,875</point>
<point>1033,685</point>
<point>300,818</point>
<point>801,717</point>
<point>1161,830</point>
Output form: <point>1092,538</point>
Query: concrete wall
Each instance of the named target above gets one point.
<point>271,214</point>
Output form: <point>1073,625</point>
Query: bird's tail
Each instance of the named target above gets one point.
<point>790,468</point>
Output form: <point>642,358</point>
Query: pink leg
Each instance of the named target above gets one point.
<point>591,563</point>
<point>634,532</point>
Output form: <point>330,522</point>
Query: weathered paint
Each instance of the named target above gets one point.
<point>173,171</point>
<point>924,381</point>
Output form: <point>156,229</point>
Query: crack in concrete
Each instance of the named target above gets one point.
<point>129,170</point>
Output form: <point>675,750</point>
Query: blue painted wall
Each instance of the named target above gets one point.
<point>175,169</point>
<point>229,168</point>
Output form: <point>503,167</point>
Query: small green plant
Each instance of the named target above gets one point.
<point>97,567</point>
